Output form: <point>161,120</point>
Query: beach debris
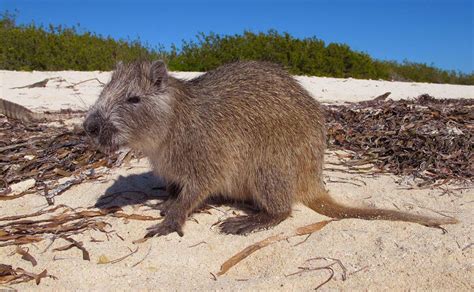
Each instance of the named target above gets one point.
<point>238,257</point>
<point>103,259</point>
<point>328,267</point>
<point>84,81</point>
<point>9,275</point>
<point>63,157</point>
<point>428,139</point>
<point>311,228</point>
<point>25,255</point>
<point>77,244</point>
<point>17,190</point>
<point>196,244</point>
<point>68,183</point>
<point>62,222</point>
<point>143,258</point>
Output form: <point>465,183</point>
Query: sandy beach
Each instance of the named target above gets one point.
<point>60,92</point>
<point>374,255</point>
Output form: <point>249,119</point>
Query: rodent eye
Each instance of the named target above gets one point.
<point>133,99</point>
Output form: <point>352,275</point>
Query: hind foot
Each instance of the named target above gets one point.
<point>242,225</point>
<point>164,228</point>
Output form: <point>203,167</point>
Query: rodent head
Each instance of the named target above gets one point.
<point>133,107</point>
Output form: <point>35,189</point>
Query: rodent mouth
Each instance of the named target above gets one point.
<point>107,140</point>
<point>106,146</point>
<point>108,149</point>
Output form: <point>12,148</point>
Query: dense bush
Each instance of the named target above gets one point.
<point>31,47</point>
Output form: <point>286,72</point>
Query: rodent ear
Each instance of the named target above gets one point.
<point>159,73</point>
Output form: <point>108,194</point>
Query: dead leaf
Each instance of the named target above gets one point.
<point>25,255</point>
<point>79,245</point>
<point>41,275</point>
<point>248,251</point>
<point>103,260</point>
<point>312,227</point>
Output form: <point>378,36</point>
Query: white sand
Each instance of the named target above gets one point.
<point>332,90</point>
<point>377,254</point>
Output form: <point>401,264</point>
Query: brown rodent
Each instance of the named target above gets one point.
<point>246,131</point>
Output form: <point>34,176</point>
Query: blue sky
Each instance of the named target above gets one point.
<point>438,32</point>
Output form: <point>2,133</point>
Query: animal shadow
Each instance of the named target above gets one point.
<point>132,190</point>
<point>142,188</point>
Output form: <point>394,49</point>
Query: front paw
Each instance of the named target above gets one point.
<point>164,228</point>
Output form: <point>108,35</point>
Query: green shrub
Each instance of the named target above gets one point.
<point>32,47</point>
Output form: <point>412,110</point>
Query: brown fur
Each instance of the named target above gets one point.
<point>247,131</point>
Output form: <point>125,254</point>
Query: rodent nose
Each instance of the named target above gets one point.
<point>91,126</point>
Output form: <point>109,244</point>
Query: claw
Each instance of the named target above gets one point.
<point>163,229</point>
<point>243,225</point>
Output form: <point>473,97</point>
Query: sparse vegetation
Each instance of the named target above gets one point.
<point>32,47</point>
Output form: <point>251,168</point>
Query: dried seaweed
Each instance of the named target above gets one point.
<point>306,269</point>
<point>327,267</point>
<point>48,154</point>
<point>62,222</point>
<point>77,244</point>
<point>25,255</point>
<point>425,138</point>
<point>146,255</point>
<point>8,275</point>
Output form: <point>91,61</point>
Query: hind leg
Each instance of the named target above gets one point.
<point>274,200</point>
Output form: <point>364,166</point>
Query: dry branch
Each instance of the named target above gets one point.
<point>84,81</point>
<point>308,229</point>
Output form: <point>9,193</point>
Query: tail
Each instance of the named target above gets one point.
<point>327,206</point>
